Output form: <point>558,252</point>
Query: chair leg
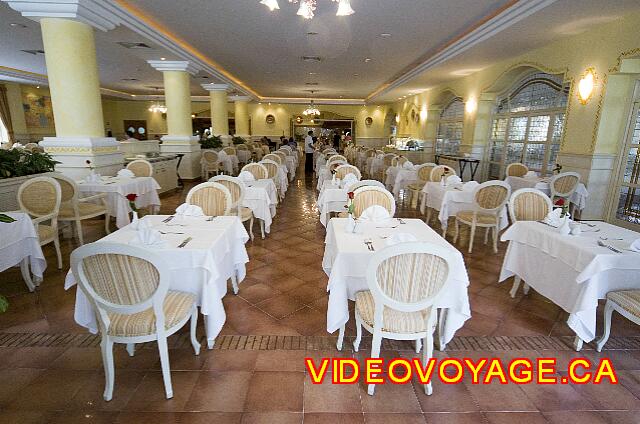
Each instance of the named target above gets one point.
<point>495,239</point>
<point>26,274</point>
<point>471,236</point>
<point>356,342</point>
<point>166,369</point>
<point>486,235</point>
<point>608,311</point>
<point>375,353</point>
<point>418,345</point>
<point>427,353</point>
<point>79,231</point>
<point>525,288</point>
<point>194,324</point>
<point>131,349</point>
<point>262,228</point>
<point>107,219</point>
<point>251,228</point>
<point>56,243</point>
<point>234,282</point>
<point>107,361</point>
<point>428,216</point>
<point>514,288</point>
<point>457,232</point>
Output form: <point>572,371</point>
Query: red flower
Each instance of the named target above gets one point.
<point>560,202</point>
<point>350,194</point>
<point>131,197</point>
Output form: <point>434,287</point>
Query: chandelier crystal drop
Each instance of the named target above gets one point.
<point>158,108</point>
<point>344,8</point>
<point>311,110</point>
<point>271,4</point>
<point>308,7</point>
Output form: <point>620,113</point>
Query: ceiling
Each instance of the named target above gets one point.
<point>261,51</point>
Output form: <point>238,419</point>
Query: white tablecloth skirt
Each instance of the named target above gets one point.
<point>261,197</point>
<point>19,240</point>
<point>578,198</point>
<point>117,189</point>
<point>331,199</point>
<point>216,252</point>
<point>244,156</point>
<point>404,177</point>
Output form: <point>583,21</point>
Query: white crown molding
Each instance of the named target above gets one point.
<point>303,100</point>
<point>216,87</point>
<point>239,98</point>
<point>508,17</point>
<point>173,65</point>
<point>27,77</point>
<point>90,12</point>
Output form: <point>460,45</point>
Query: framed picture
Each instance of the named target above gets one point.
<point>368,121</point>
<point>270,119</point>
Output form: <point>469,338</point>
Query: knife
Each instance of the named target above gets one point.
<point>184,243</point>
<point>168,219</point>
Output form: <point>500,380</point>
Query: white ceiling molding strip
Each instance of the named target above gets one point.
<point>90,12</point>
<point>510,16</point>
<point>305,100</point>
<point>22,76</point>
<point>172,65</point>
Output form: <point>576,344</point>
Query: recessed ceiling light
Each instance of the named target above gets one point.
<point>311,58</point>
<point>17,25</point>
<point>313,73</point>
<point>310,83</point>
<point>130,45</point>
<point>356,75</point>
<point>385,35</point>
<point>367,59</point>
<point>37,86</point>
<point>312,33</point>
<point>163,58</point>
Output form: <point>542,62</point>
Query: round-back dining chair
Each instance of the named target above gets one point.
<point>563,185</point>
<point>439,171</point>
<point>424,176</point>
<point>258,170</point>
<point>237,189</point>
<point>367,196</point>
<point>516,170</point>
<point>210,163</point>
<point>140,168</point>
<point>214,198</point>
<point>344,169</point>
<point>273,157</point>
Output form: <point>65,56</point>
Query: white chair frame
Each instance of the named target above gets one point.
<point>382,190</point>
<point>238,204</point>
<point>254,164</point>
<point>146,162</point>
<point>275,179</point>
<point>226,192</point>
<point>382,301</point>
<point>357,172</point>
<point>609,307</point>
<point>506,171</point>
<point>156,301</point>
<point>565,195</point>
<point>362,183</point>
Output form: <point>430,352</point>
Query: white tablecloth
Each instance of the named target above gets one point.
<point>202,267</point>
<point>117,188</point>
<point>323,174</point>
<point>291,167</point>
<point>244,156</point>
<point>319,160</point>
<point>578,198</point>
<point>449,201</point>
<point>229,163</point>
<point>361,160</point>
<point>404,177</point>
<point>282,178</point>
<point>332,198</point>
<point>377,164</point>
<point>390,179</point>
<point>345,262</point>
<point>19,241</point>
<point>261,197</point>
<point>572,271</point>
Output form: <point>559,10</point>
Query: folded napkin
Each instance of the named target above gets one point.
<point>348,180</point>
<point>408,165</point>
<point>186,209</point>
<point>93,178</point>
<point>148,237</point>
<point>400,238</point>
<point>246,176</point>
<point>530,174</point>
<point>470,186</point>
<point>635,246</point>
<point>553,218</point>
<point>452,180</point>
<point>126,173</point>
<point>140,224</point>
<point>375,213</point>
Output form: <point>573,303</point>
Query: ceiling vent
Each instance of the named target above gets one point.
<point>311,58</point>
<point>33,52</point>
<point>310,83</point>
<point>129,45</point>
<point>130,79</point>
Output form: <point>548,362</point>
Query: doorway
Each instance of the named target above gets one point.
<point>137,126</point>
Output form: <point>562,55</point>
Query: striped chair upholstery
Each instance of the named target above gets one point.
<point>402,160</point>
<point>333,166</point>
<point>272,168</point>
<point>563,185</point>
<point>424,175</point>
<point>229,150</point>
<point>282,156</point>
<point>627,304</point>
<point>516,170</point>
<point>369,196</point>
<point>272,156</point>
<point>141,168</point>
<point>629,300</point>
<point>529,205</point>
<point>213,198</point>
<point>491,197</point>
<point>258,171</point>
<point>439,171</point>
<point>343,170</point>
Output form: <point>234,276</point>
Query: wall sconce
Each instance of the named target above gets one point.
<point>586,85</point>
<point>471,105</point>
<point>397,119</point>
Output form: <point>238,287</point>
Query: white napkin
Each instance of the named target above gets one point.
<point>246,176</point>
<point>530,174</point>
<point>400,238</point>
<point>186,209</point>
<point>553,218</point>
<point>148,237</point>
<point>452,180</point>
<point>126,173</point>
<point>348,180</point>
<point>470,186</point>
<point>635,246</point>
<point>93,178</point>
<point>140,224</point>
<point>408,165</point>
<point>375,213</point>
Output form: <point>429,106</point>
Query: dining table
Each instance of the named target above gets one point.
<point>403,178</point>
<point>19,245</point>
<point>244,156</point>
<point>117,188</point>
<point>261,196</point>
<point>332,198</point>
<point>202,254</point>
<point>578,198</point>
<point>347,257</point>
<point>573,271</point>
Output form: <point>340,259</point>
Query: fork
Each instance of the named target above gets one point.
<point>401,221</point>
<point>169,232</point>
<point>369,244</point>
<point>602,244</point>
<point>185,241</point>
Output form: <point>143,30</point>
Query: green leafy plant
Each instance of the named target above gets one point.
<point>21,162</point>
<point>4,304</point>
<point>238,140</point>
<point>213,142</point>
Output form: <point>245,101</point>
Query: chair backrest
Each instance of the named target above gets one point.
<point>272,167</point>
<point>424,171</point>
<point>394,160</point>
<point>229,150</point>
<point>242,147</point>
<point>343,170</point>
<point>273,157</point>
<point>371,195</point>
<point>140,168</point>
<point>371,153</point>
<point>438,172</point>
<point>40,196</point>
<point>210,156</point>
<point>68,188</point>
<point>362,183</point>
<point>336,164</point>
<point>336,158</point>
<point>282,156</point>
<point>516,170</point>
<point>408,277</point>
<point>388,158</point>
<point>491,196</point>
<point>122,279</point>
<point>563,185</point>
<point>328,150</point>
<point>402,160</point>
<point>258,170</point>
<point>213,198</point>
<point>235,186</point>
<point>529,204</point>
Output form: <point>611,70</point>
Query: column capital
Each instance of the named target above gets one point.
<point>239,98</point>
<point>172,65</point>
<point>216,87</point>
<point>95,13</point>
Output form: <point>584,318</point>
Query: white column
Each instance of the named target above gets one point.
<point>242,116</point>
<point>70,54</point>
<point>219,113</point>
<point>179,138</point>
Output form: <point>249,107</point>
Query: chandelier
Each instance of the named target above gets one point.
<point>157,107</point>
<point>308,7</point>
<point>311,110</point>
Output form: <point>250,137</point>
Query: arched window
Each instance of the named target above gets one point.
<point>450,128</point>
<point>528,123</point>
<point>4,133</point>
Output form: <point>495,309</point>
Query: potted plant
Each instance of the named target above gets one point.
<point>238,140</point>
<point>212,142</point>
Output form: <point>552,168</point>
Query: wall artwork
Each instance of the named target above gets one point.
<point>38,112</point>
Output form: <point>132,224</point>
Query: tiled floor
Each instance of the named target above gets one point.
<point>284,295</point>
